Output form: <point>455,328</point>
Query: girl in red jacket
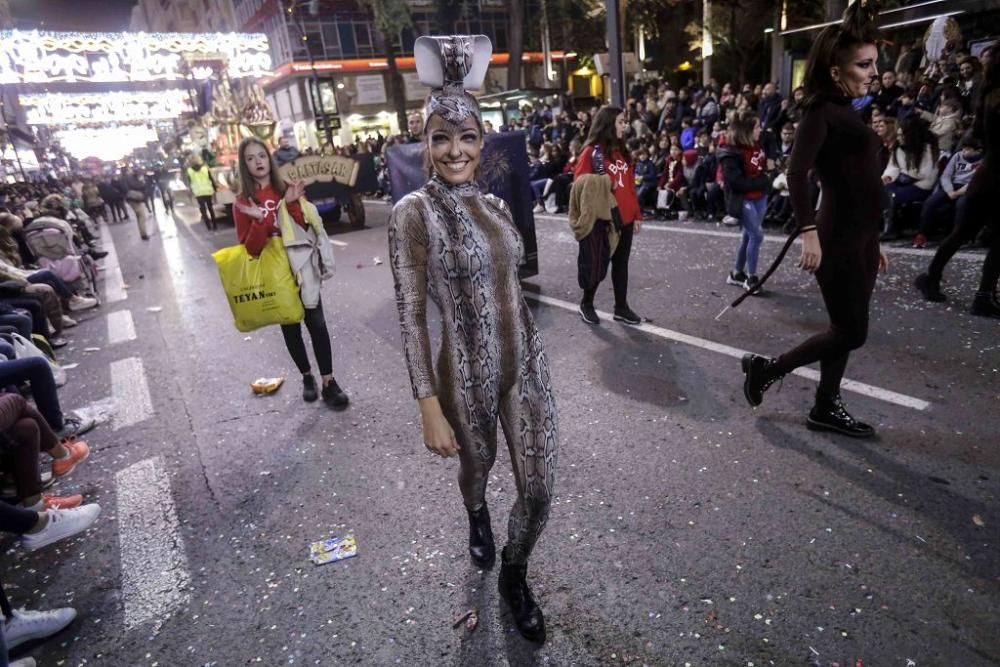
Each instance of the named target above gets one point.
<point>258,211</point>
<point>605,153</point>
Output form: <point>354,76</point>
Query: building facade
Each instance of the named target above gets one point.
<point>183,16</point>
<point>329,62</point>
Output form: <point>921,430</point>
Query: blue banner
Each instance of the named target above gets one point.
<point>503,172</point>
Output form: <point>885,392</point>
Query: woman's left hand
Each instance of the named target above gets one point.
<point>294,192</point>
<point>638,225</point>
<point>883,261</point>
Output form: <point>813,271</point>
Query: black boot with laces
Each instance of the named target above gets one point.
<point>829,414</point>
<point>514,590</point>
<point>481,546</point>
<point>760,374</point>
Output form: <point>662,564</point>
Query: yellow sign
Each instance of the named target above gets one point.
<point>323,168</point>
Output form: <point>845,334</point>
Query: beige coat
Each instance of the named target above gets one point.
<point>591,200</point>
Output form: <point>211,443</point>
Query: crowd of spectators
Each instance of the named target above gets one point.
<point>48,251</point>
<point>922,111</point>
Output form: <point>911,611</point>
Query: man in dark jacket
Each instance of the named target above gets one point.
<point>286,152</point>
<point>888,97</point>
<point>769,109</point>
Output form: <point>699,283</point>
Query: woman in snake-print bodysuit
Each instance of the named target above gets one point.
<point>460,247</point>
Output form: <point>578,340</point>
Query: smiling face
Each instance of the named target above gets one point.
<point>257,162</point>
<point>454,149</point>
<point>858,71</point>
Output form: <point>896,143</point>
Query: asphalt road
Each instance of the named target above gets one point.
<point>687,528</point>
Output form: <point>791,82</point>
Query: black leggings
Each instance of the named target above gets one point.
<point>619,269</point>
<point>206,208</point>
<point>316,323</point>
<point>979,211</point>
<point>846,278</point>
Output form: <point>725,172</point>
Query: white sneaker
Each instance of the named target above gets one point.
<point>68,322</point>
<point>78,303</point>
<point>24,662</point>
<point>539,208</point>
<point>62,524</point>
<point>730,221</point>
<point>25,626</point>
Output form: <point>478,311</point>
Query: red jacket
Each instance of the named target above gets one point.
<point>673,174</point>
<point>622,175</point>
<point>253,233</point>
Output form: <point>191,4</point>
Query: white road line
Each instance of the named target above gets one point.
<point>720,348</point>
<point>114,284</point>
<point>721,233</point>
<point>130,392</point>
<point>154,564</point>
<point>121,328</point>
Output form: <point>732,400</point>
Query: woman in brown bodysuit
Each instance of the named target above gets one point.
<point>460,247</point>
<point>840,244</point>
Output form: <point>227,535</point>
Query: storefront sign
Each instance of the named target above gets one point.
<point>414,89</point>
<point>50,57</point>
<point>324,168</point>
<point>370,89</point>
<point>113,107</point>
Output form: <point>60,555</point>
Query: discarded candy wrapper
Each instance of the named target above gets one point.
<point>377,260</point>
<point>976,519</point>
<point>91,349</point>
<point>333,549</point>
<point>266,386</point>
<point>154,309</point>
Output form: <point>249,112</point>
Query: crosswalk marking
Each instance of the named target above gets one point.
<point>154,563</point>
<point>130,392</point>
<point>114,284</point>
<point>121,327</point>
<point>848,385</point>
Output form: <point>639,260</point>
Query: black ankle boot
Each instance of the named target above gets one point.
<point>481,546</point>
<point>929,287</point>
<point>515,592</point>
<point>334,396</point>
<point>984,305</point>
<point>760,375</point>
<point>309,389</point>
<point>829,414</point>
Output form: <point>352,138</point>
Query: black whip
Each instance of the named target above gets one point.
<point>767,274</point>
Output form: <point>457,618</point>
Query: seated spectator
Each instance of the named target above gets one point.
<point>907,104</point>
<point>889,93</point>
<point>646,179</point>
<point>912,170</point>
<point>688,133</point>
<point>948,199</point>
<point>671,181</point>
<point>29,433</point>
<point>887,130</point>
<point>37,372</point>
<point>946,124</point>
<point>548,165</point>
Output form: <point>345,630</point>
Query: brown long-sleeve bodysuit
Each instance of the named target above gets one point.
<point>834,140</point>
<point>461,248</point>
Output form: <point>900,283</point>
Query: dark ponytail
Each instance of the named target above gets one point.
<point>832,47</point>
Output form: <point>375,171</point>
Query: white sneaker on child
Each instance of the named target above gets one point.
<point>62,524</point>
<point>68,322</point>
<point>24,662</point>
<point>25,626</point>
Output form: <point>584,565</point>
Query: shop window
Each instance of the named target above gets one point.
<point>364,39</point>
<point>331,40</point>
<point>348,45</point>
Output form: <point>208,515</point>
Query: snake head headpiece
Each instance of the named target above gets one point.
<point>452,66</point>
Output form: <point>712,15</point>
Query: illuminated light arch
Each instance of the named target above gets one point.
<point>111,107</point>
<point>121,57</point>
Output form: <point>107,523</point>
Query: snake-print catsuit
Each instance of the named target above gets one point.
<point>462,249</point>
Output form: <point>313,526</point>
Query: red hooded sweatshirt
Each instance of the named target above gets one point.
<point>622,175</point>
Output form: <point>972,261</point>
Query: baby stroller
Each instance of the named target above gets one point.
<point>51,241</point>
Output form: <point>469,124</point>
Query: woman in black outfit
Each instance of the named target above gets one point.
<point>980,208</point>
<point>840,244</point>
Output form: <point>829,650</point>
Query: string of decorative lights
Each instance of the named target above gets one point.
<point>46,57</point>
<point>121,107</point>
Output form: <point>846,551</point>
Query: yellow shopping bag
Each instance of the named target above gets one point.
<point>261,290</point>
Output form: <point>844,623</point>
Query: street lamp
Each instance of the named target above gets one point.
<point>767,68</point>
